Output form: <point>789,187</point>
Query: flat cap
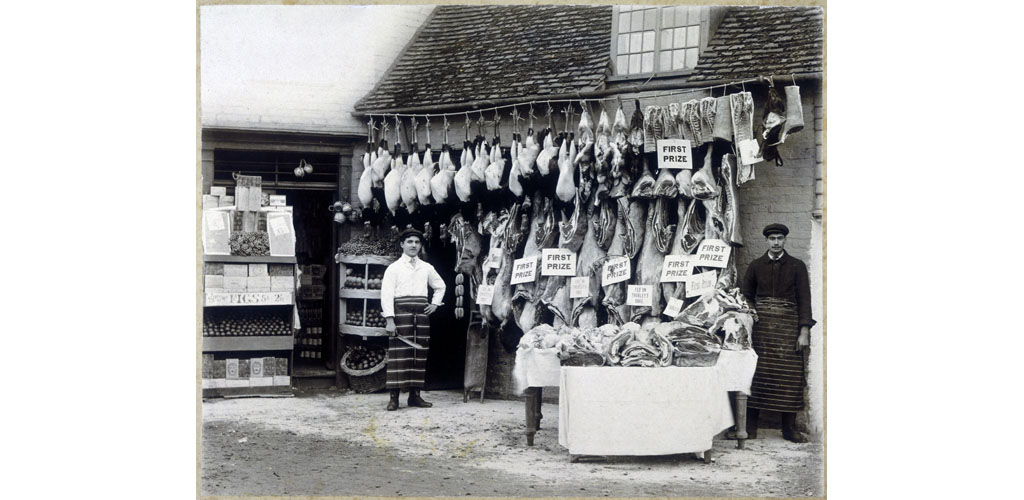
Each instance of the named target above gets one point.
<point>411,232</point>
<point>775,228</point>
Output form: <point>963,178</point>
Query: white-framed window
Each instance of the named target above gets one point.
<point>651,39</point>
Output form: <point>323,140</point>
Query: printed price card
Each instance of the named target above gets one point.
<point>524,270</point>
<point>256,367</point>
<point>214,220</point>
<point>712,253</point>
<point>675,154</point>
<point>615,270</point>
<point>676,268</point>
<point>557,262</point>
<point>232,368</point>
<point>484,295</point>
<point>749,149</point>
<point>279,226</point>
<point>674,307</point>
<point>493,259</point>
<point>640,295</point>
<point>579,288</point>
<point>698,284</point>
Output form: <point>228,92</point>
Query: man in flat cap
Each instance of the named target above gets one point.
<point>404,305</point>
<point>777,284</point>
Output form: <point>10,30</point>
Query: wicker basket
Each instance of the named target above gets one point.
<point>369,380</point>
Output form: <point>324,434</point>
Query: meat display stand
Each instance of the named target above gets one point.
<point>277,344</point>
<point>364,296</point>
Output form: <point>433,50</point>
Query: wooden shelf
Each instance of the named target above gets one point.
<point>358,293</point>
<point>366,331</point>
<point>248,299</point>
<point>364,259</point>
<point>243,259</point>
<point>254,343</point>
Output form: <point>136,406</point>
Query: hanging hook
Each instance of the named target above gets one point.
<point>793,76</point>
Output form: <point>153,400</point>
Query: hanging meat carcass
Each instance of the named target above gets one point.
<point>365,192</point>
<point>393,181</point>
<point>479,165</point>
<point>542,234</point>
<point>464,176</point>
<point>690,231</point>
<point>548,156</point>
<point>605,221</point>
<point>494,226</point>
<point>528,154</point>
<point>614,295</point>
<point>515,175</point>
<point>657,240</point>
<point>565,189</point>
<point>730,202</point>
<point>671,289</point>
<point>634,215</point>
<point>442,182</point>
<point>496,168</point>
<point>584,310</point>
<point>410,197</point>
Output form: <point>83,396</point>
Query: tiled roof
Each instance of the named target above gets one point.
<point>754,41</point>
<point>474,53</point>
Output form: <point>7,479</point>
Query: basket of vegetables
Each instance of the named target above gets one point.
<point>365,368</point>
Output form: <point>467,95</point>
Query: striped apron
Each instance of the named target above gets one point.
<point>407,366</point>
<point>779,380</point>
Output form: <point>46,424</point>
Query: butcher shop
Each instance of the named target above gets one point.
<point>595,186</point>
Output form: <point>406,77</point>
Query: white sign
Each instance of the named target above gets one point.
<point>675,154</point>
<point>243,299</point>
<point>712,253</point>
<point>699,284</point>
<point>676,268</point>
<point>674,307</point>
<point>232,368</point>
<point>485,294</point>
<point>215,220</point>
<point>279,226</point>
<point>493,259</point>
<point>640,295</point>
<point>615,270</point>
<point>557,262</point>
<point>748,149</point>
<point>524,270</point>
<point>579,288</point>
<point>256,368</point>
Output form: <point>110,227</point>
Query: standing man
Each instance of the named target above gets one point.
<point>403,303</point>
<point>777,284</point>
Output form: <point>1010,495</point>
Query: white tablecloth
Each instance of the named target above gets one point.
<point>737,369</point>
<point>641,411</point>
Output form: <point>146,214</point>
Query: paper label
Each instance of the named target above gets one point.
<point>278,226</point>
<point>493,259</point>
<point>615,270</point>
<point>215,220</point>
<point>674,307</point>
<point>640,295</point>
<point>242,299</point>
<point>485,294</point>
<point>524,270</point>
<point>674,154</point>
<point>232,365</point>
<point>748,149</point>
<point>699,284</point>
<point>712,253</point>
<point>256,368</point>
<point>558,262</point>
<point>676,268</point>
<point>579,288</point>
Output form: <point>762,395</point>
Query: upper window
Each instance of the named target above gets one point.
<point>652,39</point>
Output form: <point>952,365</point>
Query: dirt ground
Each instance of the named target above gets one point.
<point>348,445</point>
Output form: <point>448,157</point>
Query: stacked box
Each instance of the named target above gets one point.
<point>281,375</point>
<point>218,191</point>
<point>213,268</point>
<point>258,284</point>
<point>282,283</point>
<point>277,200</point>
<point>227,201</point>
<point>213,283</point>
<point>280,270</point>
<point>259,377</point>
<point>243,369</point>
<point>236,270</point>
<point>258,270</point>
<point>220,369</point>
<point>210,201</point>
<point>235,284</point>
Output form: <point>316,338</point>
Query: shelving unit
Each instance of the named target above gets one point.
<point>265,346</point>
<point>363,296</point>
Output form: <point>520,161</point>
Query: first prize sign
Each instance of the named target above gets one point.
<point>524,270</point>
<point>712,253</point>
<point>674,153</point>
<point>676,268</point>
<point>557,262</point>
<point>615,270</point>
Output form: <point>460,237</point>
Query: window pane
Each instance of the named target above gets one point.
<point>635,42</point>
<point>621,64</point>
<point>637,21</point>
<point>648,62</point>
<point>666,39</point>
<point>634,63</point>
<point>623,22</point>
<point>678,59</point>
<point>666,16</point>
<point>693,36</point>
<point>691,58</point>
<point>650,18</point>
<point>681,17</point>
<point>665,63</point>
<point>623,44</point>
<point>680,38</point>
<point>648,41</point>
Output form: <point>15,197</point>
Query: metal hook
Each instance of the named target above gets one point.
<point>793,76</point>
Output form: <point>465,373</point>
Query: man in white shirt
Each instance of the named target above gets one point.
<point>404,305</point>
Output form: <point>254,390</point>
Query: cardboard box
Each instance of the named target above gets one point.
<point>213,281</point>
<point>235,284</point>
<point>218,191</point>
<point>258,284</point>
<point>282,283</point>
<point>227,201</point>
<point>220,368</point>
<point>258,270</point>
<point>210,201</point>
<point>207,366</point>
<point>213,268</point>
<point>280,270</point>
<point>236,270</point>
<point>277,200</point>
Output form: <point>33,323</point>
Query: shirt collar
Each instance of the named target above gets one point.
<point>407,259</point>
<point>781,255</point>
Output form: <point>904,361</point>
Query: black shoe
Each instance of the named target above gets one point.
<point>393,404</point>
<point>789,429</point>
<point>416,400</point>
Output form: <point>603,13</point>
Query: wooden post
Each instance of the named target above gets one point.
<point>531,413</point>
<point>741,419</point>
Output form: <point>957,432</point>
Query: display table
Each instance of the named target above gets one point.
<point>538,368</point>
<point>641,411</point>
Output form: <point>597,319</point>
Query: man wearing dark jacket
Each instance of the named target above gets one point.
<point>777,284</point>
